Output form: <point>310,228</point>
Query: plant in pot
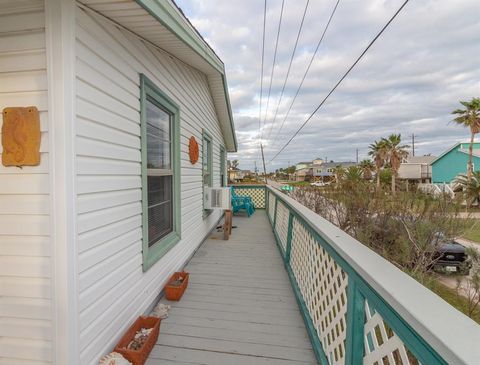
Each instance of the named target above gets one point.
<point>137,343</point>
<point>176,286</point>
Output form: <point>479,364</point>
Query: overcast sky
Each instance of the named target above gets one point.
<point>409,81</point>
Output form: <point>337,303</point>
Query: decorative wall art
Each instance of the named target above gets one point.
<point>21,137</point>
<point>193,150</point>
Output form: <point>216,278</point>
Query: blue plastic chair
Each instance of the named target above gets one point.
<point>242,202</point>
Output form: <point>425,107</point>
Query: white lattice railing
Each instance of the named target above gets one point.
<point>281,224</point>
<point>359,308</point>
<point>271,206</point>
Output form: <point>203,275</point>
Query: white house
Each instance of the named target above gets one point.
<point>416,168</point>
<point>89,237</point>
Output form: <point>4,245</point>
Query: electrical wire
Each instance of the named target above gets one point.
<point>306,71</point>
<point>289,67</point>
<point>261,75</point>
<point>273,65</point>
<point>342,78</point>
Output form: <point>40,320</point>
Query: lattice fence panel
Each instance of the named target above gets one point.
<point>257,195</point>
<point>281,224</point>
<point>323,285</point>
<point>382,345</point>
<point>271,205</point>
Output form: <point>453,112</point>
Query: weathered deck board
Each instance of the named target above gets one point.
<point>239,307</point>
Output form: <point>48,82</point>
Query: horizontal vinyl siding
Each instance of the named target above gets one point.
<point>113,290</point>
<point>25,263</point>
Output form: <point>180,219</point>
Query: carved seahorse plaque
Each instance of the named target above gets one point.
<point>21,137</point>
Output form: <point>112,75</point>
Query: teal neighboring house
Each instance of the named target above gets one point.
<point>452,162</point>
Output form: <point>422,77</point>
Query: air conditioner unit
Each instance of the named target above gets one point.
<point>217,198</point>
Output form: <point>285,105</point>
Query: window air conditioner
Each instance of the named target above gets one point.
<point>217,198</point>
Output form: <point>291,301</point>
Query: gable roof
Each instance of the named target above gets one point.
<point>340,163</point>
<point>452,148</point>
<point>163,24</point>
<point>421,159</point>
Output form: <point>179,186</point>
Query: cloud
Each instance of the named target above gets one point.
<point>409,81</point>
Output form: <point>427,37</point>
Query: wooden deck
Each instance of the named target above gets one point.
<point>239,307</point>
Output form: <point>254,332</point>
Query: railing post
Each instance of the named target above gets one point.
<point>289,237</point>
<point>275,214</point>
<point>267,199</point>
<point>354,346</point>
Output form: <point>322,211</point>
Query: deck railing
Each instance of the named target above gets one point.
<point>359,308</point>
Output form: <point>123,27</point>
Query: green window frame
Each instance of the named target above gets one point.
<point>152,99</point>
<point>207,166</point>
<point>223,171</point>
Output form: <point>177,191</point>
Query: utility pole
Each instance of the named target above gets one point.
<point>413,144</point>
<point>264,169</point>
<point>357,156</point>
<point>256,170</point>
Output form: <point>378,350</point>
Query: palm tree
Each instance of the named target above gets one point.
<point>396,154</point>
<point>471,187</point>
<point>232,165</point>
<point>354,174</point>
<point>367,167</point>
<point>378,152</point>
<point>339,172</point>
<point>469,117</point>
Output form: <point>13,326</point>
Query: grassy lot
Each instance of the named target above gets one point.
<point>473,233</point>
<point>299,183</point>
<point>451,296</point>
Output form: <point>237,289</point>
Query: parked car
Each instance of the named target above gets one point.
<point>319,183</point>
<point>452,257</point>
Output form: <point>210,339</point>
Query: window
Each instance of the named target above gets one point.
<point>207,165</point>
<point>222,166</point>
<point>160,124</point>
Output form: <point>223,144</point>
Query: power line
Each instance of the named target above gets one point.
<point>307,70</point>
<point>342,78</point>
<point>261,88</point>
<point>273,65</point>
<point>261,75</point>
<point>289,67</point>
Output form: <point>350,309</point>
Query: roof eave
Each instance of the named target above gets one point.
<point>173,19</point>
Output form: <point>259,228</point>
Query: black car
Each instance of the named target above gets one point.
<point>452,258</point>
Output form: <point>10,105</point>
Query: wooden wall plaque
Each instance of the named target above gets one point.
<point>193,150</point>
<point>21,137</point>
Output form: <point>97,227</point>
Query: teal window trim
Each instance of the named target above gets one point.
<point>223,170</point>
<point>207,137</point>
<point>151,254</point>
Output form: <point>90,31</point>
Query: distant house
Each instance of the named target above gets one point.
<point>301,170</point>
<point>417,169</point>
<point>453,162</point>
<point>326,170</point>
<point>238,175</point>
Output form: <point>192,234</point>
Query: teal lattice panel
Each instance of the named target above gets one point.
<point>256,193</point>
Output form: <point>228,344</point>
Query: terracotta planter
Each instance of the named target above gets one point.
<point>140,356</point>
<point>175,290</point>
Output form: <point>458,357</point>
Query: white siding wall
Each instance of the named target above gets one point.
<point>25,268</point>
<point>113,290</point>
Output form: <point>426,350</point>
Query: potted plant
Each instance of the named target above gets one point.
<point>176,285</point>
<point>137,343</point>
